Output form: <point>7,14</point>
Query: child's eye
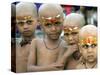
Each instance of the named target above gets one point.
<point>57,23</point>
<point>20,23</point>
<point>48,25</point>
<point>74,33</point>
<point>85,46</point>
<point>93,45</point>
<point>29,22</point>
<point>66,34</point>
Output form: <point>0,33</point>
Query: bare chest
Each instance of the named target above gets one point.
<point>22,54</point>
<point>45,55</point>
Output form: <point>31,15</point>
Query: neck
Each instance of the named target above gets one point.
<point>52,41</point>
<point>51,44</point>
<point>28,37</point>
<point>90,65</point>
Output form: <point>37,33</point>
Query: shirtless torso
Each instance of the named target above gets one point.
<point>22,57</point>
<point>42,56</point>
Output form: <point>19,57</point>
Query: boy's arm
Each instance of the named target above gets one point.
<point>69,51</point>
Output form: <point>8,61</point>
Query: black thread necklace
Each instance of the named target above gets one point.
<point>51,48</point>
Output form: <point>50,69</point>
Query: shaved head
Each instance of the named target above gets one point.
<point>26,8</point>
<point>26,18</point>
<point>72,24</point>
<point>88,30</point>
<point>50,10</point>
<point>74,19</point>
<point>51,19</point>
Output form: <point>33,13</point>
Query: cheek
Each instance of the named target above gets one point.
<point>66,38</point>
<point>95,51</point>
<point>32,27</point>
<point>59,28</point>
<point>83,52</point>
<point>20,29</point>
<point>76,37</point>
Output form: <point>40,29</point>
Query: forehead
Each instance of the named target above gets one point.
<point>51,14</point>
<point>84,35</point>
<point>24,17</point>
<point>24,13</point>
<point>72,24</point>
<point>88,32</point>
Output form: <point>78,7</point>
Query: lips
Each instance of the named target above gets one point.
<point>90,56</point>
<point>27,31</point>
<point>54,34</point>
<point>71,42</point>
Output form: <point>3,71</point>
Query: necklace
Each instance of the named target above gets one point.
<point>51,48</point>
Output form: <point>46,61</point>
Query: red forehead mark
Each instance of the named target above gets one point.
<point>89,40</point>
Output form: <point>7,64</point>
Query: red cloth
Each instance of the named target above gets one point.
<point>68,9</point>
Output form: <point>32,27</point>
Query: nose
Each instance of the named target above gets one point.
<point>25,26</point>
<point>53,28</point>
<point>70,37</point>
<point>89,49</point>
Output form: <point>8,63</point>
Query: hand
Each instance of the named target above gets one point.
<point>71,49</point>
<point>57,66</point>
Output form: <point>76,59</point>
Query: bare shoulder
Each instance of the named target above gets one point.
<point>36,43</point>
<point>35,40</point>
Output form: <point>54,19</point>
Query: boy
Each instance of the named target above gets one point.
<point>88,47</point>
<point>44,52</point>
<point>72,24</point>
<point>26,21</point>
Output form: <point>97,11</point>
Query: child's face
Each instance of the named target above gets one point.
<point>71,34</point>
<point>88,48</point>
<point>26,24</point>
<point>52,26</point>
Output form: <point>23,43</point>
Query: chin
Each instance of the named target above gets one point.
<point>91,60</point>
<point>72,43</point>
<point>54,38</point>
<point>27,35</point>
